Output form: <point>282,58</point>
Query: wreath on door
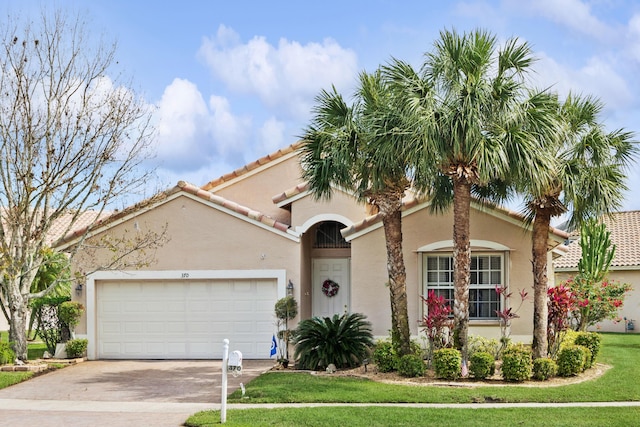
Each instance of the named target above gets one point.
<point>330,288</point>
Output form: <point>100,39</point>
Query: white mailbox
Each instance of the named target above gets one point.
<point>235,362</point>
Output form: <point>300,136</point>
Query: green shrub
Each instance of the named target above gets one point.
<point>483,365</point>
<point>544,368</point>
<point>76,348</point>
<point>411,365</point>
<point>483,344</point>
<point>7,355</point>
<point>385,357</point>
<point>571,360</point>
<point>70,313</point>
<point>447,363</point>
<point>516,363</point>
<point>343,340</point>
<point>568,338</point>
<point>591,340</point>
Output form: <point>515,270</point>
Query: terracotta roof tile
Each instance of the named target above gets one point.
<point>407,203</point>
<point>251,166</point>
<point>625,234</point>
<point>237,208</point>
<point>411,201</point>
<point>182,186</point>
<point>298,189</point>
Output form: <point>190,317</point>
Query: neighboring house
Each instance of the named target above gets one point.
<point>241,242</point>
<point>58,229</point>
<point>625,267</point>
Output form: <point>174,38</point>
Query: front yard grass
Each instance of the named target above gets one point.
<point>35,350</point>
<point>399,416</point>
<point>620,383</point>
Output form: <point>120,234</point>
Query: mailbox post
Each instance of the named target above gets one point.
<point>225,361</point>
<point>230,363</point>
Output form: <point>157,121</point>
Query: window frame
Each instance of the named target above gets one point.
<point>448,286</point>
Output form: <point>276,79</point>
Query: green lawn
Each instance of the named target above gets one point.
<point>620,383</point>
<point>35,350</point>
<point>395,416</point>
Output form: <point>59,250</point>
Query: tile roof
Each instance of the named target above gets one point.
<point>411,201</point>
<point>84,220</point>
<point>287,194</point>
<point>252,166</point>
<point>625,234</point>
<point>407,203</point>
<point>242,210</point>
<point>162,196</point>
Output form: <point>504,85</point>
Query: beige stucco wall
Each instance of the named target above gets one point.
<point>204,238</point>
<point>631,307</point>
<point>255,189</point>
<point>306,211</point>
<point>370,295</point>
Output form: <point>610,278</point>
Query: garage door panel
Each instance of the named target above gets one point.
<point>185,319</point>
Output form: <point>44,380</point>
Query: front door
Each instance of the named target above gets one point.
<point>330,301</point>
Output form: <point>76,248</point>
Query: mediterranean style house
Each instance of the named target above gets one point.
<point>242,241</point>
<point>625,267</point>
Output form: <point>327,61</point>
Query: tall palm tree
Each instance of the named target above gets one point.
<point>469,104</point>
<point>362,147</point>
<point>588,180</point>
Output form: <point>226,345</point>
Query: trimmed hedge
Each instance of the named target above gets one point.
<point>572,359</point>
<point>385,357</point>
<point>76,348</point>
<point>544,368</point>
<point>516,363</point>
<point>592,341</point>
<point>411,365</point>
<point>482,365</point>
<point>447,363</point>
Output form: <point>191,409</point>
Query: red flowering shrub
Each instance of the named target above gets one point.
<point>437,322</point>
<point>561,302</point>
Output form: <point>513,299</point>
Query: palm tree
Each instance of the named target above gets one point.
<point>588,180</point>
<point>362,148</point>
<point>469,106</point>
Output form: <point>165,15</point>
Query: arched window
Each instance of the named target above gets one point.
<point>328,236</point>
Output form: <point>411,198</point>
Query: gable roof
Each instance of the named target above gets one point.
<point>253,166</point>
<point>229,206</point>
<point>411,203</point>
<point>625,234</point>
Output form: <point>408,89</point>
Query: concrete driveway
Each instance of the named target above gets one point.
<point>121,393</point>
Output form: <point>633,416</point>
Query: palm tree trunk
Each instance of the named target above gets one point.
<point>539,238</point>
<point>461,263</point>
<point>392,223</point>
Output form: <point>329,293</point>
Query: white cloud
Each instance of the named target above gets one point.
<point>596,77</point>
<point>286,77</point>
<point>573,14</point>
<point>633,34</point>
<point>192,133</point>
<point>271,136</point>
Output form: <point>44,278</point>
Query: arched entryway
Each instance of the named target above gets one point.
<point>330,256</point>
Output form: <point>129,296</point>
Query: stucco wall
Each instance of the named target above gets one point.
<point>371,296</point>
<point>256,190</point>
<point>204,238</point>
<point>307,211</point>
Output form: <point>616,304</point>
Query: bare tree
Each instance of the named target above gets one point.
<point>72,139</point>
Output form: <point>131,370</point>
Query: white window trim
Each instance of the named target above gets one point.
<point>503,252</point>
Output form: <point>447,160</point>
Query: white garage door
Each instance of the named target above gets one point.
<point>184,319</point>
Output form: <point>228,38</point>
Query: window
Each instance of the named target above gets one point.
<point>486,273</point>
<point>328,236</point>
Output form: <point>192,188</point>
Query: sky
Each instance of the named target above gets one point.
<point>232,81</point>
